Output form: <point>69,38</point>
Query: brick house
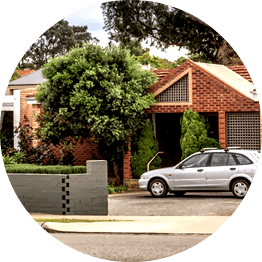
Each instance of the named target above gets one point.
<point>224,95</point>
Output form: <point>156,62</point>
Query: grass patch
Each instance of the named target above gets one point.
<point>36,169</point>
<point>68,220</point>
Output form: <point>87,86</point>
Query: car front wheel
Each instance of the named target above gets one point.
<point>158,188</point>
<point>240,188</point>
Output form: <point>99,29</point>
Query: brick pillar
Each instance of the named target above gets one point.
<point>222,128</point>
<point>127,172</point>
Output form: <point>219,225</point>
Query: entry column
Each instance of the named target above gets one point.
<point>222,128</point>
<point>127,170</point>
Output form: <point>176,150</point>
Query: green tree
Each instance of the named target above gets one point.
<point>56,41</point>
<point>16,74</point>
<point>135,47</point>
<point>144,148</point>
<point>97,92</point>
<point>195,58</point>
<point>194,133</point>
<point>154,61</point>
<point>165,26</point>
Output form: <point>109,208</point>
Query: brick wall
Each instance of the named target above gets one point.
<point>82,152</point>
<point>29,110</point>
<point>78,194</point>
<point>208,94</point>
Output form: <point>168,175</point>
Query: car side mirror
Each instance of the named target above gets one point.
<point>182,167</point>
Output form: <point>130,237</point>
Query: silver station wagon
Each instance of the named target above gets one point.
<point>207,170</point>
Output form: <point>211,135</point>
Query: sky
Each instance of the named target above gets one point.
<point>93,18</point>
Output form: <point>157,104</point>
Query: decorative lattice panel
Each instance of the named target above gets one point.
<point>178,92</point>
<point>243,130</point>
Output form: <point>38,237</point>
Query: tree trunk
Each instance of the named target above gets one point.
<point>226,55</point>
<point>117,173</point>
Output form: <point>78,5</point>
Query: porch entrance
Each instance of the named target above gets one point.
<point>168,134</point>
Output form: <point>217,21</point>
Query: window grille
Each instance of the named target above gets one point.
<point>178,92</point>
<point>243,130</point>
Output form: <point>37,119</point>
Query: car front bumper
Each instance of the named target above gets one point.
<point>143,184</point>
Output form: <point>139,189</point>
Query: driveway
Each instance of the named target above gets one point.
<point>191,204</point>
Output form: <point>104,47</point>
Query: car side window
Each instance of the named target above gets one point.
<point>199,160</point>
<point>243,160</point>
<point>222,159</point>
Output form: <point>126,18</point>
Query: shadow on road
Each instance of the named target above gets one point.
<point>189,196</point>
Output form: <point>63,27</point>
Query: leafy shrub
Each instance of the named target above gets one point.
<point>145,146</point>
<point>8,160</point>
<point>120,189</point>
<point>19,157</point>
<point>67,157</point>
<point>16,158</point>
<point>5,143</point>
<point>194,133</point>
<point>43,153</point>
<point>25,137</point>
<point>113,190</point>
<point>110,189</point>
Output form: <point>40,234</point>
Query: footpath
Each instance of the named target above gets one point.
<point>134,224</point>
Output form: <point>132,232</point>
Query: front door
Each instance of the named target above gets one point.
<point>191,175</point>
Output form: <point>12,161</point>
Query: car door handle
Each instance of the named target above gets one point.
<point>232,168</point>
<point>200,170</point>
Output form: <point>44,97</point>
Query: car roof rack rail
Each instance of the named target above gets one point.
<point>208,148</point>
<point>232,148</point>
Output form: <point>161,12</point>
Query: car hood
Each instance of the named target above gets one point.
<point>161,171</point>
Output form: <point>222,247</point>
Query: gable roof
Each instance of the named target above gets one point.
<point>229,76</point>
<point>24,72</point>
<point>241,70</point>
<point>31,79</point>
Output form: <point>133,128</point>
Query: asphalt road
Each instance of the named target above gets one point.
<point>191,204</point>
<point>129,248</point>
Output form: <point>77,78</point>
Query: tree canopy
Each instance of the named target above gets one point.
<point>97,92</point>
<point>165,26</point>
<point>154,61</point>
<point>135,47</point>
<point>56,41</point>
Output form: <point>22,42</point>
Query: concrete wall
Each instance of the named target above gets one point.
<point>76,194</point>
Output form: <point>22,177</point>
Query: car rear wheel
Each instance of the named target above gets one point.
<point>158,188</point>
<point>240,188</point>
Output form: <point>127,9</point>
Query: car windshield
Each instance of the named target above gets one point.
<point>196,161</point>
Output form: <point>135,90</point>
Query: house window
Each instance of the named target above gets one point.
<point>177,92</point>
<point>243,130</point>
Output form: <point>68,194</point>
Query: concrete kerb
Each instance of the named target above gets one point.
<point>136,224</point>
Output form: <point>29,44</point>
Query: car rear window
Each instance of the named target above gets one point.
<point>243,160</point>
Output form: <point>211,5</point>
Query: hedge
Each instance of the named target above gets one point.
<point>36,169</point>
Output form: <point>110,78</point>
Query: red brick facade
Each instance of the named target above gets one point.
<point>208,94</point>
